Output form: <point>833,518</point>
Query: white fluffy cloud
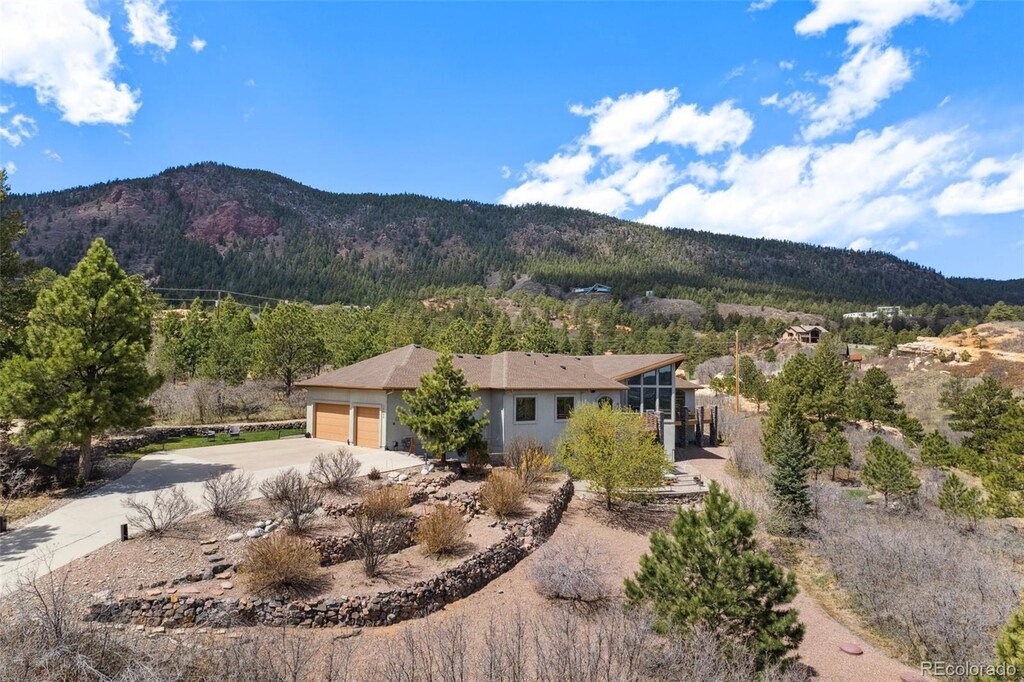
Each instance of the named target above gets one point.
<point>994,186</point>
<point>835,194</point>
<point>622,126</point>
<point>52,155</point>
<point>873,20</point>
<point>10,168</point>
<point>873,69</point>
<point>150,24</point>
<point>869,77</point>
<point>197,44</point>
<point>65,52</point>
<point>18,128</point>
<point>599,171</point>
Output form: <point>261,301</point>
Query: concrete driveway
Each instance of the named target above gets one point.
<point>87,523</point>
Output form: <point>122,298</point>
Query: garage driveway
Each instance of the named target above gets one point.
<point>85,524</point>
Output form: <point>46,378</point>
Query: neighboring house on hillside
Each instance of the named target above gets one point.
<point>810,333</point>
<point>593,289</point>
<point>525,394</point>
<point>886,311</point>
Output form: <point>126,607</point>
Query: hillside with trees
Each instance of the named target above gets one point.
<point>210,225</point>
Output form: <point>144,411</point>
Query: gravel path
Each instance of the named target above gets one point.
<point>820,648</point>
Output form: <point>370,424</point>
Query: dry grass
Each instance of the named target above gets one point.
<point>503,494</point>
<point>530,461</point>
<point>441,532</point>
<point>386,502</point>
<point>281,564</point>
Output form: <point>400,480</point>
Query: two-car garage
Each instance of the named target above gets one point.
<point>359,424</point>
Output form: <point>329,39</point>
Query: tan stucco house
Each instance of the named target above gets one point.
<point>525,394</point>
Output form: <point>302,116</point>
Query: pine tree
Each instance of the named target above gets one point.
<point>1000,312</point>
<point>83,368</point>
<point>783,414</point>
<point>874,398</point>
<point>960,501</point>
<point>937,451</point>
<point>826,399</point>
<point>707,571</point>
<point>1004,476</point>
<point>833,452</point>
<point>442,411</point>
<point>194,340</point>
<point>889,471</point>
<point>788,479</point>
<point>979,411</point>
<point>753,384</point>
<point>229,347</point>
<point>613,450</point>
<point>1010,649</point>
<point>584,339</point>
<point>287,344</point>
<point>502,338</point>
<point>16,298</point>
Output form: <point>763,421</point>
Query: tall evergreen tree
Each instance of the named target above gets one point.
<point>83,368</point>
<point>442,411</point>
<point>753,384</point>
<point>707,571</point>
<point>979,411</point>
<point>584,339</point>
<point>783,414</point>
<point>229,349</point>
<point>287,344</point>
<point>937,451</point>
<point>788,479</point>
<point>502,337</point>
<point>1004,471</point>
<point>889,471</point>
<point>826,399</point>
<point>874,398</point>
<point>195,339</point>
<point>16,295</point>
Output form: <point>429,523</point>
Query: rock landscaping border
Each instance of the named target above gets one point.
<point>385,608</point>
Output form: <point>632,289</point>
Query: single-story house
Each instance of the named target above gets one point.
<point>525,394</point>
<point>810,333</point>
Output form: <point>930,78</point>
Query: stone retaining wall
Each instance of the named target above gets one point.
<point>384,608</point>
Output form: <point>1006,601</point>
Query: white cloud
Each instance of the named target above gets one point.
<point>945,100</point>
<point>18,129</point>
<point>197,44</point>
<point>52,155</point>
<point>251,83</point>
<point>736,72</point>
<point>759,5</point>
<point>870,76</point>
<point>912,245</point>
<point>834,194</point>
<point>620,127</point>
<point>10,168</point>
<point>786,65</point>
<point>506,172</point>
<point>65,52</point>
<point>873,69</point>
<point>873,20</point>
<point>150,24</point>
<point>994,187</point>
<point>861,244</point>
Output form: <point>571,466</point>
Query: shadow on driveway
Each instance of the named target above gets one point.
<point>16,544</point>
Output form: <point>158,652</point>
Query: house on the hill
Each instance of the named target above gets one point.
<point>525,394</point>
<point>593,289</point>
<point>804,333</point>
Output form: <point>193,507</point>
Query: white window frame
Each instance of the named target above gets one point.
<point>515,398</point>
<point>570,397</point>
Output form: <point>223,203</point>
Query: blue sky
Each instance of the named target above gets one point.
<point>867,123</point>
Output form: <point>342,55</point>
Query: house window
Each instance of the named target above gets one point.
<point>651,391</point>
<point>564,405</point>
<point>526,409</point>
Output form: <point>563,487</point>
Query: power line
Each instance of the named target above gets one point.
<point>215,294</point>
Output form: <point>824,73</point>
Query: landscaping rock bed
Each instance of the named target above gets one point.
<point>384,608</point>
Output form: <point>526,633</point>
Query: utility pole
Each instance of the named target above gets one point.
<point>737,371</point>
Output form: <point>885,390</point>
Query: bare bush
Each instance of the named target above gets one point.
<point>373,524</point>
<point>441,532</point>
<point>747,454</point>
<point>530,460</point>
<point>426,651</point>
<point>374,474</point>
<point>335,471</point>
<point>572,569</point>
<point>164,511</point>
<point>15,482</point>
<point>225,494</point>
<point>503,494</point>
<point>281,564</point>
<point>294,496</point>
<point>936,592</point>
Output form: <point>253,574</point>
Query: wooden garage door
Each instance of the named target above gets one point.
<point>368,427</point>
<point>330,421</point>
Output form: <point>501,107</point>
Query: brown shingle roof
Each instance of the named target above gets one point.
<point>402,368</point>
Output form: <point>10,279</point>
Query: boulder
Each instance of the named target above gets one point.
<point>235,537</point>
<point>256,532</point>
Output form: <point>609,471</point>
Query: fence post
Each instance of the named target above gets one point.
<point>124,532</point>
<point>3,524</point>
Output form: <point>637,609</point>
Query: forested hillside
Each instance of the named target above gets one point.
<point>210,225</point>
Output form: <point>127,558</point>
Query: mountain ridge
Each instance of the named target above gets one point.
<point>213,225</point>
